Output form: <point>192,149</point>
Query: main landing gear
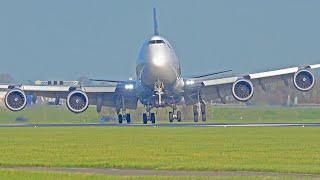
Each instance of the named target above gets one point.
<point>124,117</point>
<point>199,109</point>
<point>149,117</point>
<point>174,115</point>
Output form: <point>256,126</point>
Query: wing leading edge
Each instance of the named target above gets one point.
<point>242,87</point>
<point>255,76</point>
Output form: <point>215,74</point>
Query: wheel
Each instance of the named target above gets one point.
<point>171,116</point>
<point>144,118</point>
<point>120,118</point>
<point>195,117</point>
<point>204,116</point>
<point>56,101</point>
<point>128,118</point>
<point>179,116</point>
<point>153,118</point>
<point>203,112</point>
<point>196,113</point>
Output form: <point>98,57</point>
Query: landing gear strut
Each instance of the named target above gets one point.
<point>175,115</point>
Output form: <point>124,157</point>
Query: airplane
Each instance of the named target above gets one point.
<point>158,84</point>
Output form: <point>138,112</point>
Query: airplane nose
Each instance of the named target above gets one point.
<point>159,61</point>
<point>159,66</point>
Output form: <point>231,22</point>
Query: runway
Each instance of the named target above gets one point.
<point>169,125</point>
<point>150,172</point>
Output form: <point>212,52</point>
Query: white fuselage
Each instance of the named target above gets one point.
<point>158,62</point>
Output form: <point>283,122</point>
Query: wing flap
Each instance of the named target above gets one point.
<point>213,82</point>
<point>45,88</point>
<point>108,89</point>
<point>88,89</point>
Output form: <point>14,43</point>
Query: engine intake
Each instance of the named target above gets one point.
<point>77,101</point>
<point>303,80</point>
<point>242,90</point>
<point>15,100</point>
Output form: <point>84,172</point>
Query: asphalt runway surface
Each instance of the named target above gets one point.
<point>149,172</point>
<point>171,125</point>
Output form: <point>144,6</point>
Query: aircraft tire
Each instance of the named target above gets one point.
<point>120,118</point>
<point>195,117</point>
<point>171,116</point>
<point>128,118</point>
<point>204,116</point>
<point>179,116</point>
<point>153,118</point>
<point>144,118</point>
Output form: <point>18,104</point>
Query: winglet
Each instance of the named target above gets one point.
<point>155,22</point>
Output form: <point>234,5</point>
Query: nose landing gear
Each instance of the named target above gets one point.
<point>158,89</point>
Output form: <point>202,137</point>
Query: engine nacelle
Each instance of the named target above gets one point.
<point>15,100</point>
<point>242,90</point>
<point>303,80</point>
<point>77,101</point>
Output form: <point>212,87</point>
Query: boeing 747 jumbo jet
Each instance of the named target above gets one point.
<point>159,84</point>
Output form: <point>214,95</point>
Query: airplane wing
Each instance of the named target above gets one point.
<point>78,97</point>
<point>242,87</point>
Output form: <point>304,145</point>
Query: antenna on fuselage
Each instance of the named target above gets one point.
<point>155,22</point>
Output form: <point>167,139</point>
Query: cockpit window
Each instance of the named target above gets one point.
<point>156,42</point>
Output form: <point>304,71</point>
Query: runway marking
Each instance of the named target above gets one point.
<point>148,172</point>
<point>170,125</point>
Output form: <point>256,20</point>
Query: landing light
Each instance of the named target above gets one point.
<point>128,86</point>
<point>159,61</point>
<point>189,82</point>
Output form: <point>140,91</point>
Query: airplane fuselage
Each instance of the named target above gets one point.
<point>158,71</point>
<point>158,62</point>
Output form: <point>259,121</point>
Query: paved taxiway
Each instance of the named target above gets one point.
<point>149,172</point>
<point>170,125</point>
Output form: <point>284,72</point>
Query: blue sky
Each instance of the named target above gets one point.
<point>60,39</point>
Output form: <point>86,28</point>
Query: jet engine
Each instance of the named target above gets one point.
<point>303,80</point>
<point>242,89</point>
<point>15,100</point>
<point>77,101</point>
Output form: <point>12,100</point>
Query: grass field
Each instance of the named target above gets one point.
<point>285,149</point>
<point>294,149</point>
<point>60,114</point>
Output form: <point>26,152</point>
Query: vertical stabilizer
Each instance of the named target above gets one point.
<point>155,22</point>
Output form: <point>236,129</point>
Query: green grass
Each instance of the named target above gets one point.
<point>266,114</point>
<point>48,114</point>
<point>56,114</point>
<point>286,149</point>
